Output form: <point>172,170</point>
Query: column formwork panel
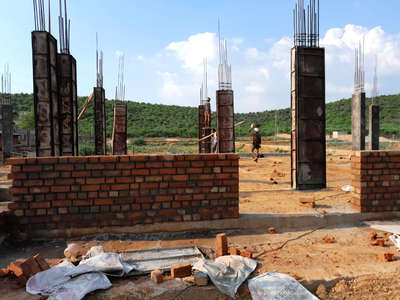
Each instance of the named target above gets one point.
<point>67,91</point>
<point>308,141</point>
<point>225,121</point>
<point>374,127</point>
<point>358,121</point>
<point>119,136</point>
<point>45,94</point>
<point>100,126</point>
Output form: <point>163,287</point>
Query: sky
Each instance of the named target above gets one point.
<point>165,41</point>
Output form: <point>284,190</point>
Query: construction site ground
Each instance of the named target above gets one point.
<point>347,268</point>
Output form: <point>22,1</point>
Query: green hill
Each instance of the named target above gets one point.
<point>157,120</point>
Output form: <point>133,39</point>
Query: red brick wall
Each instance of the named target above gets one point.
<point>97,191</point>
<point>375,177</point>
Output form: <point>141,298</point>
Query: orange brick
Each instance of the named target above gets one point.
<point>247,254</point>
<point>157,276</point>
<point>234,251</point>
<point>373,235</point>
<point>181,271</point>
<point>3,272</point>
<point>380,243</point>
<point>386,257</point>
<point>271,230</point>
<point>222,244</point>
<point>42,263</point>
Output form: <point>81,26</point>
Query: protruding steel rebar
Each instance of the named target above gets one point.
<point>120,88</point>
<point>5,96</point>
<point>359,73</point>
<point>99,65</point>
<point>39,15</point>
<point>204,86</point>
<point>224,68</point>
<point>306,24</point>
<point>64,26</point>
<point>374,92</point>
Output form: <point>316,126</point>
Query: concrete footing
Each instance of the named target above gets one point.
<point>282,223</point>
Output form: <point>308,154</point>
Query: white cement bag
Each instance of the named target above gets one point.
<point>276,286</point>
<point>227,272</point>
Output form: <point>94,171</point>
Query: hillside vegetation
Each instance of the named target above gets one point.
<point>157,120</point>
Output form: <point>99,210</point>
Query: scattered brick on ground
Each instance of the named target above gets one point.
<point>329,239</point>
<point>307,202</point>
<point>386,257</point>
<point>271,230</point>
<point>234,251</point>
<point>23,269</point>
<point>373,235</point>
<point>181,271</point>
<point>247,254</point>
<point>3,272</point>
<point>379,242</point>
<point>157,276</point>
<point>222,244</point>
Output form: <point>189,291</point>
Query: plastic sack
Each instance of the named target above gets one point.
<point>278,286</point>
<point>55,283</point>
<point>227,272</point>
<point>395,238</point>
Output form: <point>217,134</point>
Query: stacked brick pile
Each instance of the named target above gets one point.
<point>98,191</point>
<point>375,177</point>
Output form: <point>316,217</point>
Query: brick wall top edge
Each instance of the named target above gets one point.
<point>119,158</point>
<point>366,153</point>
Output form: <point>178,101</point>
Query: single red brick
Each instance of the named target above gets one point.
<point>387,257</point>
<point>157,276</point>
<point>3,272</point>
<point>181,271</point>
<point>247,254</point>
<point>42,263</point>
<point>271,230</point>
<point>234,251</point>
<point>222,244</point>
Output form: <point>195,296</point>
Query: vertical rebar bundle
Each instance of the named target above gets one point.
<point>224,68</point>
<point>6,80</point>
<point>64,27</point>
<point>306,24</point>
<point>359,74</point>
<point>6,86</point>
<point>99,65</point>
<point>204,86</point>
<point>120,88</point>
<point>374,92</point>
<point>39,15</point>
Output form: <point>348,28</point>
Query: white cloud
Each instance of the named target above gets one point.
<point>255,88</point>
<point>261,75</point>
<point>119,53</point>
<point>140,58</point>
<point>194,49</point>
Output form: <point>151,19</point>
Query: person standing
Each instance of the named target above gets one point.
<point>254,131</point>
<point>214,141</point>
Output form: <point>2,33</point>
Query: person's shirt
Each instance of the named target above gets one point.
<point>214,137</point>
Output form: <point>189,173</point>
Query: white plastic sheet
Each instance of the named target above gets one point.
<point>395,238</point>
<point>227,272</point>
<point>55,283</point>
<point>278,286</point>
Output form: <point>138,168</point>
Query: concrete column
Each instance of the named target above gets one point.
<point>225,121</point>
<point>358,121</point>
<point>7,130</point>
<point>374,128</point>
<point>100,137</point>
<point>45,94</point>
<point>308,161</point>
<point>67,91</point>
<point>119,129</point>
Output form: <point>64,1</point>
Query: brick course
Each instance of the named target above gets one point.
<point>375,177</point>
<point>98,191</point>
